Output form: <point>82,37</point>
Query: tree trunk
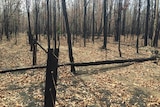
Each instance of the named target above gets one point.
<point>84,22</point>
<point>119,26</point>
<point>105,24</point>
<point>93,20</point>
<point>6,20</point>
<point>151,33</point>
<point>110,17</point>
<point>36,33</point>
<point>48,24</point>
<point>138,26</point>
<point>29,32</point>
<point>133,29</point>
<point>124,17</point>
<point>69,36</point>
<point>100,27</point>
<point>155,41</point>
<point>54,26</point>
<point>147,23</point>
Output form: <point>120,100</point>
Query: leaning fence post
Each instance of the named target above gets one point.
<point>51,78</point>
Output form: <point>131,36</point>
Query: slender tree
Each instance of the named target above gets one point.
<point>119,26</point>
<point>134,22</point>
<point>153,14</point>
<point>110,17</point>
<point>48,25</point>
<point>36,32</point>
<point>147,23</point>
<point>124,17</point>
<point>93,21</point>
<point>156,25</point>
<point>54,26</point>
<point>68,35</point>
<point>6,19</point>
<point>84,22</point>
<point>105,24</point>
<point>138,26</point>
<point>30,37</point>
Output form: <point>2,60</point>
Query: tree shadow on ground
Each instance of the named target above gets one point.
<point>139,97</point>
<point>101,70</point>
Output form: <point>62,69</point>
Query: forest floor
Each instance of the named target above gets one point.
<point>114,85</point>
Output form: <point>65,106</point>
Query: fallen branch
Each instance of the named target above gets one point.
<point>83,64</point>
<point>110,62</point>
<point>22,69</point>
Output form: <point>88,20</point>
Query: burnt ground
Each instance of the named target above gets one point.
<point>114,85</point>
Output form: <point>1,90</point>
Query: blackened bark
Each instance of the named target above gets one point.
<point>84,22</point>
<point>124,18</point>
<point>156,26</point>
<point>48,25</point>
<point>51,78</point>
<point>6,21</point>
<point>155,42</point>
<point>110,18</point>
<point>138,26</point>
<point>93,20</point>
<point>105,24</point>
<point>68,36</point>
<point>147,23</point>
<point>55,32</point>
<point>119,26</point>
<point>100,27</point>
<point>29,33</point>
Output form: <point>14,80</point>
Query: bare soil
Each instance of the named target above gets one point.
<point>114,85</point>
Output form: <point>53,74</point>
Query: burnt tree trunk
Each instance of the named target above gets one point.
<point>54,26</point>
<point>155,42</point>
<point>105,24</point>
<point>48,25</point>
<point>147,23</point>
<point>84,22</point>
<point>68,36</point>
<point>124,17</point>
<point>93,20</point>
<point>110,18</point>
<point>29,32</point>
<point>119,26</point>
<point>138,26</point>
<point>156,25</point>
<point>51,78</point>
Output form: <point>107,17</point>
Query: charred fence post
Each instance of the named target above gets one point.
<point>51,78</point>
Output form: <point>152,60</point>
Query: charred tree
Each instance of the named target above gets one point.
<point>105,23</point>
<point>54,26</point>
<point>124,17</point>
<point>100,27</point>
<point>84,22</point>
<point>110,18</point>
<point>151,33</point>
<point>6,19</point>
<point>68,35</point>
<point>155,42</point>
<point>119,26</point>
<point>156,25</point>
<point>138,26</point>
<point>147,23</point>
<point>48,31</point>
<point>93,21</point>
<point>29,32</point>
<point>134,22</point>
<point>36,33</point>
